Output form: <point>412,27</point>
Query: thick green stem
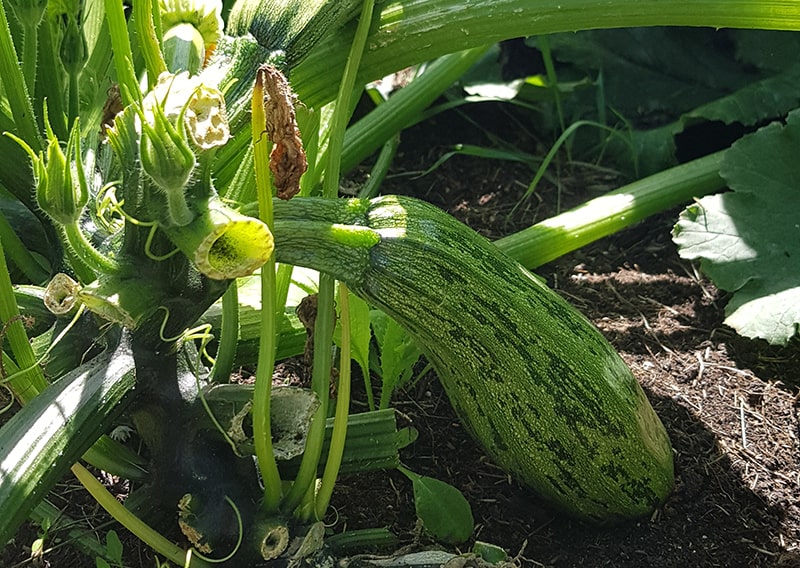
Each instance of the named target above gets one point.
<point>148,42</point>
<point>414,31</point>
<point>74,98</point>
<point>320,383</point>
<point>334,461</point>
<point>380,168</point>
<point>405,107</point>
<point>30,47</point>
<point>123,56</point>
<point>15,88</point>
<point>324,323</point>
<point>30,381</point>
<point>90,256</point>
<point>229,336</point>
<point>262,429</point>
<point>341,114</point>
<point>607,214</point>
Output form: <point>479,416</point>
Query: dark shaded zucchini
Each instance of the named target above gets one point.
<point>534,381</point>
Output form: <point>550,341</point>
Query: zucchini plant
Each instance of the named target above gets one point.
<point>139,194</point>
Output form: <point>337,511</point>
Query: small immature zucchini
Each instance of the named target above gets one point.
<point>534,381</point>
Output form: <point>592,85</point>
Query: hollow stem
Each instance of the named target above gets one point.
<point>336,451</point>
<point>147,534</point>
<point>262,429</point>
<point>607,214</point>
<point>414,31</point>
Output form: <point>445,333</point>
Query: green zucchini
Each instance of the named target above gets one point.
<point>532,380</point>
<point>50,433</point>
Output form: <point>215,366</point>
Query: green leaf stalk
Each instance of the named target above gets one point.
<point>324,324</point>
<point>262,430</point>
<point>414,31</point>
<point>613,211</point>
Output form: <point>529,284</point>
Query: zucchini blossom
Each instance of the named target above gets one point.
<point>61,188</point>
<point>165,152</point>
<point>192,29</point>
<point>178,113</point>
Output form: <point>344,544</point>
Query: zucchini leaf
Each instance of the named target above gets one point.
<point>443,510</point>
<point>748,240</point>
<point>649,72</point>
<point>398,353</point>
<point>360,334</point>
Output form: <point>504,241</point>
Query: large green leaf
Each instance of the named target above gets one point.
<point>748,240</point>
<point>654,79</point>
<point>652,73</point>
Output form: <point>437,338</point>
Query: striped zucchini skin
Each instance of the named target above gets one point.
<point>533,381</point>
<point>41,441</point>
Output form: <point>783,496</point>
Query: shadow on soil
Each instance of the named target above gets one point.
<point>712,519</point>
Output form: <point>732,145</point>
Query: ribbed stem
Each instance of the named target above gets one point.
<point>404,107</point>
<point>324,322</point>
<point>262,429</point>
<point>30,47</point>
<point>148,42</point>
<point>228,337</point>
<point>609,213</point>
<point>121,44</point>
<point>336,451</point>
<point>414,31</point>
<point>31,381</point>
<point>15,88</point>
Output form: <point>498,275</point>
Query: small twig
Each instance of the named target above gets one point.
<point>702,366</point>
<point>742,422</point>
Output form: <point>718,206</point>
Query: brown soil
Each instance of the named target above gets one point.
<point>730,405</point>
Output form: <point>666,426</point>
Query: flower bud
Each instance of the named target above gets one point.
<point>61,189</point>
<point>166,155</point>
<point>178,117</point>
<point>184,49</point>
<point>169,161</point>
<point>73,46</point>
<point>28,12</point>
